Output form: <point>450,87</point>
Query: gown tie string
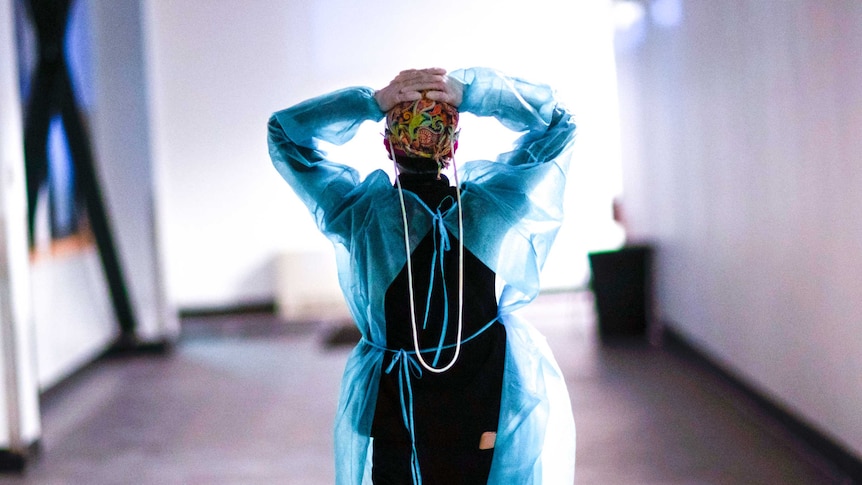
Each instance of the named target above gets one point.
<point>407,367</point>
<point>404,362</point>
<point>442,245</point>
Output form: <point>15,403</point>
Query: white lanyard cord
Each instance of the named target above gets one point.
<point>448,366</point>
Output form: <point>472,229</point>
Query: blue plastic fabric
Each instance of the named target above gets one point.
<point>512,209</point>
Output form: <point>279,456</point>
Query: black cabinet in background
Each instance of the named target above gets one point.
<point>621,282</point>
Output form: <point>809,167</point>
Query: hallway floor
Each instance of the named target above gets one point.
<point>250,401</point>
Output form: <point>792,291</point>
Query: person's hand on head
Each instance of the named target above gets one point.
<point>452,92</point>
<point>408,85</point>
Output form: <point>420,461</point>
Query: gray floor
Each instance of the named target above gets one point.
<point>238,402</point>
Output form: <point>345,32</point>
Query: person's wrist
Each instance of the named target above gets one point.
<point>377,100</point>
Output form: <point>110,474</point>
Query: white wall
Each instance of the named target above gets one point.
<point>121,140</point>
<point>218,69</point>
<point>742,164</point>
<point>72,314</point>
<point>19,405</point>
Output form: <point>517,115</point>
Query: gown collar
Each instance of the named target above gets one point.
<point>411,181</point>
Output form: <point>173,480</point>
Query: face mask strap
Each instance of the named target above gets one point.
<point>458,342</point>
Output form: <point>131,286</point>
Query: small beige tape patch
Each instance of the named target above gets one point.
<point>488,440</point>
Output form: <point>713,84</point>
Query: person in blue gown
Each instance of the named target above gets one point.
<point>447,384</point>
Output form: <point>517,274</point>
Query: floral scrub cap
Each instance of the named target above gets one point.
<point>423,128</point>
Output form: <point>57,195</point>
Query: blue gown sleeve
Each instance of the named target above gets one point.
<point>516,200</point>
<point>520,106</point>
<point>294,136</point>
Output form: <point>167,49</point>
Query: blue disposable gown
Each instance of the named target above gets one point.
<point>512,209</point>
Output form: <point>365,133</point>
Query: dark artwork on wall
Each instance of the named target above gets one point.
<point>65,203</point>
<point>52,50</point>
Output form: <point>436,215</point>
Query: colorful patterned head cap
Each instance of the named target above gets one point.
<point>424,128</point>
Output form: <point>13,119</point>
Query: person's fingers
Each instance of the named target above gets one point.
<point>407,96</point>
<point>425,82</point>
<point>452,93</point>
<point>416,76</point>
<point>440,96</point>
<point>437,71</point>
<point>409,85</point>
<point>391,95</point>
<point>423,85</point>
